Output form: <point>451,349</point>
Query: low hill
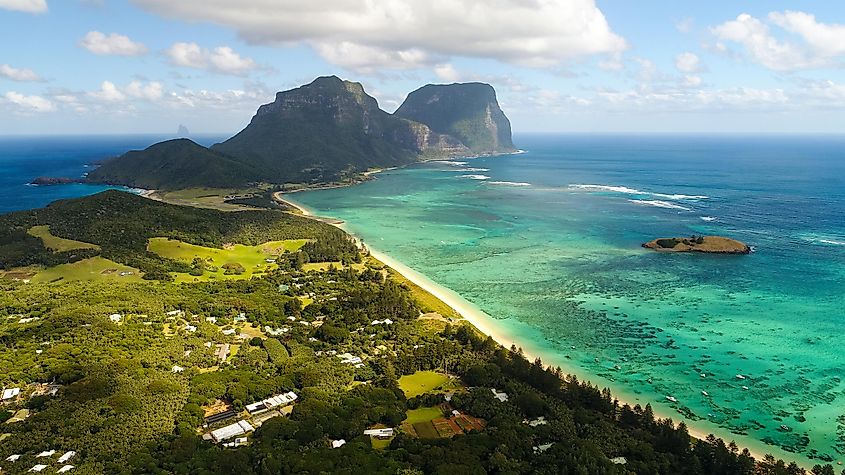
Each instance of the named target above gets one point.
<point>121,224</point>
<point>175,164</point>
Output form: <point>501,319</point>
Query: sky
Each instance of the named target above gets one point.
<point>576,66</point>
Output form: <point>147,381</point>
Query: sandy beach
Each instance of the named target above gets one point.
<point>487,325</point>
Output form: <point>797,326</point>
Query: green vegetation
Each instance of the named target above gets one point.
<point>286,142</point>
<point>126,372</point>
<point>423,414</point>
<point>57,244</point>
<point>422,382</point>
<point>235,261</point>
<point>122,224</point>
<point>92,268</point>
<point>467,111</point>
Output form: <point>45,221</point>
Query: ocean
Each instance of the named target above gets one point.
<point>547,243</point>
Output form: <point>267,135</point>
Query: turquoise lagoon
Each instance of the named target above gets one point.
<point>547,243</point>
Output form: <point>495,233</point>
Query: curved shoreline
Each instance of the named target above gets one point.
<point>487,325</point>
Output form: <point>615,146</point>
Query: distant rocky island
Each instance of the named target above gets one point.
<point>706,244</point>
<point>327,131</point>
<point>49,180</point>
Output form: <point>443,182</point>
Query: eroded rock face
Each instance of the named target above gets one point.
<point>469,112</point>
<point>706,244</point>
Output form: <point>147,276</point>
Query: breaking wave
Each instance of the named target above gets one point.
<point>476,177</point>
<point>660,204</point>
<point>633,191</point>
<point>509,183</point>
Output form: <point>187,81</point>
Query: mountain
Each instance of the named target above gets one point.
<point>174,164</point>
<point>469,111</point>
<point>328,130</point>
<point>325,131</point>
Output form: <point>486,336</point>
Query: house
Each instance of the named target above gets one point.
<point>115,317</point>
<point>177,369</point>
<point>380,433</point>
<point>540,421</point>
<point>275,331</point>
<point>13,458</point>
<point>230,331</point>
<point>336,444</point>
<point>386,321</point>
<point>37,468</point>
<point>347,358</point>
<point>222,351</point>
<point>241,317</point>
<point>238,428</point>
<point>220,417</point>
<point>236,443</point>
<point>542,448</point>
<point>211,319</point>
<point>11,393</point>
<point>502,397</point>
<point>67,456</point>
<point>273,402</point>
<point>66,468</point>
<point>270,261</point>
<point>619,460</point>
<point>174,313</point>
<point>190,328</point>
<point>27,320</point>
<point>46,453</point>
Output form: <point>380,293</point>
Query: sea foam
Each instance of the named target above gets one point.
<point>476,177</point>
<point>659,204</point>
<point>634,191</point>
<point>509,183</point>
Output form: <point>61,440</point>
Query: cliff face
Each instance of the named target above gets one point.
<point>327,130</point>
<point>469,112</point>
<point>321,132</point>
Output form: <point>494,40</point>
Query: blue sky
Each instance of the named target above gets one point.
<point>146,66</point>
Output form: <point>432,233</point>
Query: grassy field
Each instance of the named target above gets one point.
<point>202,198</point>
<point>252,258</point>
<point>423,382</point>
<point>423,414</point>
<point>94,268</point>
<point>57,244</point>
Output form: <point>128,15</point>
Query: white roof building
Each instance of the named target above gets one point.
<point>46,453</point>
<point>66,468</point>
<point>177,369</point>
<point>190,328</point>
<point>67,456</point>
<point>27,320</point>
<point>238,428</point>
<point>502,397</point>
<point>280,400</point>
<point>348,358</point>
<point>115,317</point>
<point>11,393</point>
<point>173,313</point>
<point>336,444</point>
<point>38,468</point>
<point>542,448</point>
<point>230,331</point>
<point>380,433</point>
<point>619,460</point>
<point>13,458</point>
<point>211,319</point>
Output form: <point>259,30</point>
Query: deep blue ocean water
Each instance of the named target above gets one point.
<point>25,158</point>
<point>548,244</point>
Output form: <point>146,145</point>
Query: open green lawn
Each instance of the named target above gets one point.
<point>202,197</point>
<point>57,244</point>
<point>93,268</point>
<point>423,414</point>
<point>252,258</point>
<point>423,382</point>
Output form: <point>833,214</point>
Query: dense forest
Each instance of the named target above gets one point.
<point>131,376</point>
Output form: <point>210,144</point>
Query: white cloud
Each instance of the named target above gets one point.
<point>16,74</point>
<point>222,59</point>
<point>30,103</point>
<point>447,72</point>
<point>112,44</point>
<point>109,92</point>
<point>367,35</point>
<point>820,45</point>
<point>151,91</point>
<point>28,6</point>
<point>688,62</point>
